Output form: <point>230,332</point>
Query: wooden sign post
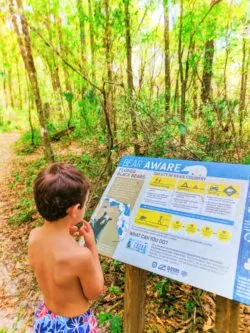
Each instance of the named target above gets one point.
<point>227,315</point>
<point>135,300</point>
<point>227,311</point>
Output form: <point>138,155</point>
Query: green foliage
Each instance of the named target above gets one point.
<point>28,142</point>
<point>168,300</point>
<point>247,160</point>
<point>189,307</point>
<point>116,290</point>
<point>3,330</point>
<point>115,322</point>
<point>117,263</point>
<point>162,288</point>
<point>68,96</point>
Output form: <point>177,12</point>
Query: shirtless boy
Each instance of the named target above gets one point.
<point>68,275</point>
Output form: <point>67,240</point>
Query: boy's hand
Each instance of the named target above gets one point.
<point>87,232</point>
<point>73,230</point>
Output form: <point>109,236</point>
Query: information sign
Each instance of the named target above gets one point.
<point>186,220</point>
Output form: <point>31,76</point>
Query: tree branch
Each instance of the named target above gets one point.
<point>74,69</point>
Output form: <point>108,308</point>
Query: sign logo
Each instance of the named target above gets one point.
<point>154,264</point>
<point>162,267</point>
<point>184,273</point>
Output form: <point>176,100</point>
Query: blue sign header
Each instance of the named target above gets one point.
<point>190,168</point>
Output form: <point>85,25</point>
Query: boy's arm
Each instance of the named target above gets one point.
<point>90,272</point>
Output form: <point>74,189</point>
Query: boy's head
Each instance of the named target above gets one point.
<point>58,187</point>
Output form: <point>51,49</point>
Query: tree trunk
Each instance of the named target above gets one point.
<point>243,84</point>
<point>6,100</point>
<point>110,143</point>
<point>195,99</point>
<point>176,94</point>
<point>23,39</point>
<point>29,108</point>
<point>167,59</point>
<point>130,77</point>
<point>108,55</point>
<point>92,41</point>
<point>19,85</point>
<point>54,72</point>
<point>207,71</point>
<point>183,82</point>
<point>81,16</point>
<point>64,50</point>
<point>10,89</point>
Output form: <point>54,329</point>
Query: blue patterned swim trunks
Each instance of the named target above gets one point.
<point>47,321</point>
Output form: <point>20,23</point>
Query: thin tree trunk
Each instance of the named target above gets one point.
<point>207,71</point>
<point>64,49</point>
<point>19,85</point>
<point>81,16</point>
<point>141,76</point>
<point>108,55</point>
<point>167,59</point>
<point>176,94</point>
<point>54,71</point>
<point>110,142</point>
<point>243,84</point>
<point>29,108</point>
<point>195,99</point>
<point>10,89</point>
<point>183,81</point>
<point>92,40</point>
<point>23,39</point>
<point>6,99</point>
<point>225,73</point>
<point>130,77</point>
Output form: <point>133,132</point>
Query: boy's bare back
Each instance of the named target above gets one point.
<point>55,262</point>
<point>67,274</point>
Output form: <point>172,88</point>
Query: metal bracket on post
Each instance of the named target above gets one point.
<point>134,300</point>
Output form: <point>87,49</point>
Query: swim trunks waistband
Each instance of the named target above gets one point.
<point>48,321</point>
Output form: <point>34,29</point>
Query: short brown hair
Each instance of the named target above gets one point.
<point>58,187</point>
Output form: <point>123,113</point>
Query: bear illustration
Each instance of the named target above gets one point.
<point>196,170</point>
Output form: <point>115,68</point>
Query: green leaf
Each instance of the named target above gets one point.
<point>247,160</point>
<point>116,324</point>
<point>182,129</point>
<point>68,96</point>
<point>201,139</point>
<point>209,122</point>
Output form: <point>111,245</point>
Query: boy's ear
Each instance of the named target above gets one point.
<point>72,210</point>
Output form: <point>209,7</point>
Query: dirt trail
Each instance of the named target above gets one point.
<point>6,151</point>
<point>7,286</point>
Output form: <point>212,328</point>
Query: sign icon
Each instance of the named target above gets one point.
<point>154,264</point>
<point>162,267</point>
<point>247,237</point>
<point>230,191</point>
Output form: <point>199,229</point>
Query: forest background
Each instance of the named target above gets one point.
<point>89,81</point>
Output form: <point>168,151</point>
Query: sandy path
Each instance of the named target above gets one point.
<point>7,286</point>
<point>6,151</point>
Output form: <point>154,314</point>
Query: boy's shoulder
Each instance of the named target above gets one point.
<point>33,235</point>
<point>81,257</point>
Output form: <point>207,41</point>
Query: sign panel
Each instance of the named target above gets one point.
<point>186,220</point>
